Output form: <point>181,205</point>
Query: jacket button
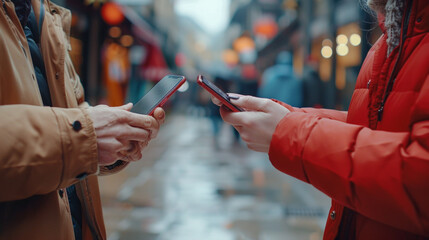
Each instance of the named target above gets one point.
<point>57,75</point>
<point>419,19</point>
<point>82,176</point>
<point>368,84</point>
<point>77,125</point>
<point>332,215</point>
<point>61,193</point>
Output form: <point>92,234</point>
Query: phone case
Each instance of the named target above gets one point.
<point>158,94</point>
<point>217,93</point>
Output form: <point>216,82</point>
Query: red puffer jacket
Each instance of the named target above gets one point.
<point>373,163</point>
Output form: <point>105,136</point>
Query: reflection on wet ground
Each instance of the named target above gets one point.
<point>186,187</point>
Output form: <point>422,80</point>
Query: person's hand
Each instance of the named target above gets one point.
<point>122,135</point>
<point>257,123</point>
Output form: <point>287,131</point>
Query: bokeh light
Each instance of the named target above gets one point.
<point>355,39</point>
<point>342,39</point>
<point>112,13</point>
<point>327,42</point>
<point>127,40</point>
<point>326,52</point>
<point>115,32</point>
<point>342,50</point>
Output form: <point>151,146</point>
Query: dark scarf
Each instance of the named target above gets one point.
<point>26,16</point>
<point>22,9</point>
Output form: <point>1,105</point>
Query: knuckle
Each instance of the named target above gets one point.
<point>246,122</point>
<point>265,103</point>
<point>245,137</point>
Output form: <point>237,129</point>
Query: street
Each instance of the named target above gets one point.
<point>187,187</point>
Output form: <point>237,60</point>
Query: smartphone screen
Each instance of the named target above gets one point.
<point>218,93</point>
<point>159,94</point>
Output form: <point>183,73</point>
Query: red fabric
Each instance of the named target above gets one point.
<point>155,66</point>
<point>378,169</point>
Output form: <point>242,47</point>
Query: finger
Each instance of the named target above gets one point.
<point>251,103</point>
<point>110,145</point>
<point>133,146</point>
<point>233,118</point>
<point>235,95</point>
<point>101,106</point>
<point>216,101</point>
<point>258,147</point>
<point>139,120</point>
<point>143,145</point>
<point>136,155</point>
<point>126,107</point>
<point>159,115</point>
<point>130,133</point>
<point>219,103</point>
<point>247,119</point>
<point>122,156</point>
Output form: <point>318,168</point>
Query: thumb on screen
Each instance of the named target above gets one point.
<point>126,107</point>
<point>251,103</point>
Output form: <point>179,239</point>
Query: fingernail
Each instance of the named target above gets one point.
<point>234,97</point>
<point>161,115</point>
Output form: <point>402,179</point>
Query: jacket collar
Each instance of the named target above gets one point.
<point>419,17</point>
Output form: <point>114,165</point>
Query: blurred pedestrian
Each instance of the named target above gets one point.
<point>54,145</point>
<point>281,83</point>
<point>312,85</point>
<point>213,110</point>
<point>373,161</point>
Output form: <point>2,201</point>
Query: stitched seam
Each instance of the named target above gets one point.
<point>86,201</point>
<point>62,149</point>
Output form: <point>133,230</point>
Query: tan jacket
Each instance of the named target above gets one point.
<point>42,149</point>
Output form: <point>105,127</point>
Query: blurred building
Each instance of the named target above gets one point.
<point>336,34</point>
<point>115,46</point>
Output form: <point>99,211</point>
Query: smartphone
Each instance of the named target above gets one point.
<point>217,93</point>
<point>159,94</point>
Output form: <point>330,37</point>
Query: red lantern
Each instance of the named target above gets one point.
<point>112,13</point>
<point>266,27</point>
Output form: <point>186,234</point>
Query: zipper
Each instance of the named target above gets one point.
<point>396,66</point>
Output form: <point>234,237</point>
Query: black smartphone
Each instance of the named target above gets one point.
<point>158,94</point>
<point>217,93</point>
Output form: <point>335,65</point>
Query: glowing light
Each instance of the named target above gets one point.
<point>115,32</point>
<point>184,87</point>
<point>327,42</point>
<point>230,57</point>
<point>355,39</point>
<point>342,50</point>
<point>243,43</point>
<point>326,52</point>
<point>112,13</point>
<point>342,39</point>
<point>127,40</point>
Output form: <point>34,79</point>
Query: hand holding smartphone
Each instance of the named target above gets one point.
<point>159,94</point>
<point>217,93</point>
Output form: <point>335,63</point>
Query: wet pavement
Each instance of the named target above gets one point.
<point>187,187</point>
